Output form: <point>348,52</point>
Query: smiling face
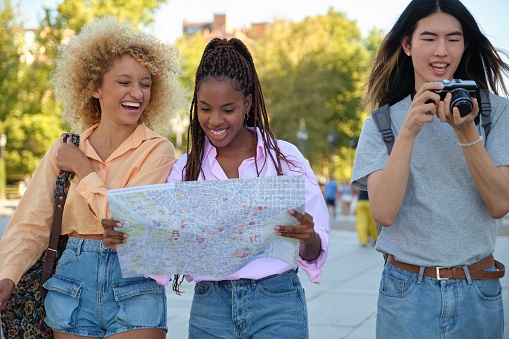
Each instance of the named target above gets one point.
<point>221,113</point>
<point>436,47</point>
<point>125,91</point>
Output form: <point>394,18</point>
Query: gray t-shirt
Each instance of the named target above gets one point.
<point>443,220</point>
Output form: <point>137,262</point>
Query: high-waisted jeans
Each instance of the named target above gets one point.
<point>272,307</point>
<point>87,295</point>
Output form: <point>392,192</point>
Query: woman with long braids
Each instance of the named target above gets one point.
<point>231,138</point>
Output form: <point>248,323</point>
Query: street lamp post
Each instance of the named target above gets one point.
<point>302,135</point>
<point>3,142</point>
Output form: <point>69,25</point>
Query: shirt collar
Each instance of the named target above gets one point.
<point>210,150</point>
<point>140,134</point>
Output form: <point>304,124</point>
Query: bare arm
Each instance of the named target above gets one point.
<point>491,181</point>
<point>387,187</point>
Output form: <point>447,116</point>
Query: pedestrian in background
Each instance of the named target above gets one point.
<point>439,192</point>
<point>346,194</point>
<point>366,226</point>
<point>330,194</point>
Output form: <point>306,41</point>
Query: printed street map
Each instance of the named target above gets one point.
<point>208,228</point>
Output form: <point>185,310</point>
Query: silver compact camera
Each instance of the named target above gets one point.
<point>462,93</point>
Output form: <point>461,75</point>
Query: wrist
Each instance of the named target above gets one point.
<point>467,135</point>
<point>471,143</point>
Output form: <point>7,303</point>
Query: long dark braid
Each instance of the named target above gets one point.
<point>221,59</point>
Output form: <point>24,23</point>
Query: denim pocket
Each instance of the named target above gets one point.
<point>396,282</point>
<point>202,288</point>
<point>62,302</point>
<point>488,289</point>
<point>146,295</point>
<point>67,257</point>
<point>280,285</point>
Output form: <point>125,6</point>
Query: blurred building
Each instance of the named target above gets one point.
<point>221,28</point>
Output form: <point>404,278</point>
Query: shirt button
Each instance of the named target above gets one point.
<point>84,192</point>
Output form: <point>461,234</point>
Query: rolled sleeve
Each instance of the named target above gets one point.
<point>94,191</point>
<point>313,268</point>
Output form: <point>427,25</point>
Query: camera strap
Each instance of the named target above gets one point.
<point>485,111</point>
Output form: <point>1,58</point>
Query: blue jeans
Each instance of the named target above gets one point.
<point>87,295</point>
<point>272,307</point>
<point>413,306</point>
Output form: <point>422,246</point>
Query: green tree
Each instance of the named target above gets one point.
<point>314,70</point>
<point>190,49</point>
<point>29,136</point>
<point>76,13</point>
<point>11,42</point>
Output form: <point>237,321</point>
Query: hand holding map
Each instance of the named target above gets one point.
<point>209,228</point>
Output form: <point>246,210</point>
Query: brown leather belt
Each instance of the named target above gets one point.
<point>440,273</point>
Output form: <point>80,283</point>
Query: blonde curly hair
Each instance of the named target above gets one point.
<point>82,63</point>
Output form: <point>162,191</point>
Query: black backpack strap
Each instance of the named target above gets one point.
<point>485,111</point>
<point>382,119</point>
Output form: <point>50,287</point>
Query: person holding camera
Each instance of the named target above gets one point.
<point>439,192</point>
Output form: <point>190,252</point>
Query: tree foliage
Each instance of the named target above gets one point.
<point>76,13</point>
<point>29,137</point>
<point>11,44</point>
<point>315,70</point>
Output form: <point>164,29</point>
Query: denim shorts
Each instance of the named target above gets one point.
<point>87,295</point>
<point>272,307</point>
<point>414,306</point>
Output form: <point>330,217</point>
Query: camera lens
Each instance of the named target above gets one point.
<point>461,99</point>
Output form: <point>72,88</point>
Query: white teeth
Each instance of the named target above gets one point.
<point>132,104</point>
<point>218,133</point>
<point>439,65</point>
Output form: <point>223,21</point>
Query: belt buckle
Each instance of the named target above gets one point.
<point>437,271</point>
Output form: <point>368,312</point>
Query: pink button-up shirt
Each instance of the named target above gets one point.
<point>315,206</point>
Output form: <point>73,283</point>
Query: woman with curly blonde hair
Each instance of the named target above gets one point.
<point>117,86</point>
